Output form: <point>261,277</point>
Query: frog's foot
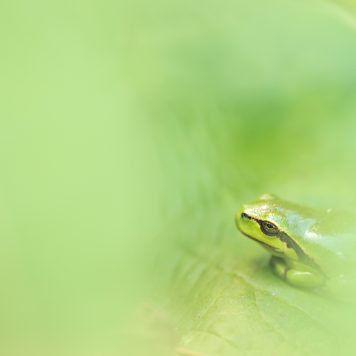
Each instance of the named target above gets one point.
<point>298,278</point>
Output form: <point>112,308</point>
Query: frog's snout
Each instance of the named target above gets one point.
<point>239,217</point>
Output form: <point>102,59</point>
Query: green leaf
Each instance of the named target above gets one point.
<point>272,113</point>
<point>130,133</point>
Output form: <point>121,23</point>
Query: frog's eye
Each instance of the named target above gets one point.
<point>269,228</point>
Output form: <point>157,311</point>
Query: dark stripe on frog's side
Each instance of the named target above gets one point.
<point>287,240</point>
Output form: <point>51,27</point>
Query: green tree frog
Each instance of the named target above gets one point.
<point>307,245</point>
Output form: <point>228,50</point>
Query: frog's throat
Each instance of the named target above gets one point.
<point>268,247</point>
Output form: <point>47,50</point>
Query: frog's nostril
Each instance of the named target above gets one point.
<point>245,216</point>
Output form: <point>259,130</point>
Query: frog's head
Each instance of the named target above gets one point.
<point>270,221</point>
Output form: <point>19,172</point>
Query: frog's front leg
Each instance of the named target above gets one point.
<point>302,278</point>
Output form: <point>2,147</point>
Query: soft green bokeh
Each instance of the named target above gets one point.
<point>130,133</point>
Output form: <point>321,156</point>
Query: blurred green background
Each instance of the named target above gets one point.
<point>130,133</point>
